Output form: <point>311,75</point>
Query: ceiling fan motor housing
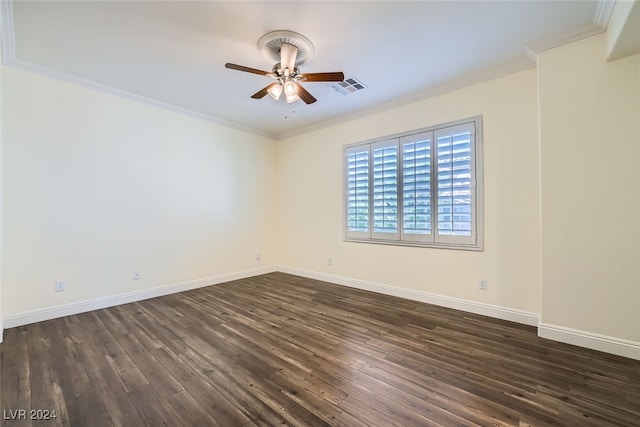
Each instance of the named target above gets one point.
<point>277,70</point>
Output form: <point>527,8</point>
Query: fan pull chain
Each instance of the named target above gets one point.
<point>286,115</point>
<point>293,109</point>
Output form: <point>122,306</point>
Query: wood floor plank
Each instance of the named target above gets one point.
<point>82,404</point>
<point>375,409</point>
<point>476,409</point>
<point>125,318</point>
<point>191,412</point>
<point>16,378</point>
<point>320,406</point>
<point>418,404</point>
<point>153,410</point>
<point>46,393</point>
<point>257,411</point>
<point>114,398</point>
<point>195,381</point>
<point>279,349</point>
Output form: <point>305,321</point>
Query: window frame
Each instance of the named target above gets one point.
<point>474,242</point>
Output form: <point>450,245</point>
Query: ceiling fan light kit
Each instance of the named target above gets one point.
<point>289,49</point>
<point>275,90</point>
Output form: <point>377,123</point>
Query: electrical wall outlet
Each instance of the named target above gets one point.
<point>329,262</point>
<point>137,275</point>
<point>258,256</point>
<point>483,285</point>
<point>59,286</point>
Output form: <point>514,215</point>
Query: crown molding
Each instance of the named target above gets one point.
<point>7,35</point>
<point>604,9</point>
<point>585,31</point>
<point>598,25</point>
<point>601,16</point>
<point>99,87</point>
<point>531,55</point>
<point>7,38</point>
<point>450,86</point>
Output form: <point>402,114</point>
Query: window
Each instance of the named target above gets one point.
<point>421,188</point>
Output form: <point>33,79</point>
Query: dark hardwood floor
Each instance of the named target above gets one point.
<point>285,350</point>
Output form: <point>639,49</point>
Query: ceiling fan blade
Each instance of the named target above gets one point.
<point>323,77</point>
<point>288,53</point>
<point>246,69</point>
<point>262,92</point>
<point>305,95</point>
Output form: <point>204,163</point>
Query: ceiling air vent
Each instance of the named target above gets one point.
<point>349,85</point>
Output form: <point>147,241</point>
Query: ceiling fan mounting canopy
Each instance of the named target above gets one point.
<point>270,45</point>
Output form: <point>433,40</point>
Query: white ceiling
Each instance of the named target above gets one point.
<point>172,53</point>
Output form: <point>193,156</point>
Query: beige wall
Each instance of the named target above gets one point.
<point>590,169</point>
<point>96,187</point>
<point>310,178</point>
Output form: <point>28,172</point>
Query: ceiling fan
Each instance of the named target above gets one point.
<point>289,49</point>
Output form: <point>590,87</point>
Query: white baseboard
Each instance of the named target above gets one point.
<point>110,301</point>
<point>607,344</point>
<point>504,313</point>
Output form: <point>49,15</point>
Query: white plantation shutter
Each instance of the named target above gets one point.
<point>385,190</point>
<point>455,184</point>
<point>421,188</point>
<point>358,217</point>
<point>416,187</point>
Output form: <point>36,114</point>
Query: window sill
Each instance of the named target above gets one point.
<point>474,247</point>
